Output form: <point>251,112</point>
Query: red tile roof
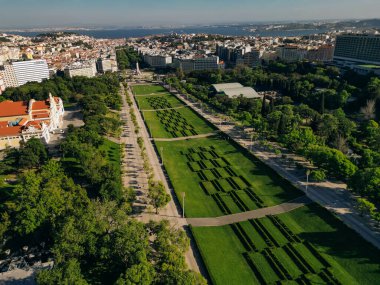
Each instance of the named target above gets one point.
<point>9,108</point>
<point>10,131</point>
<point>40,105</point>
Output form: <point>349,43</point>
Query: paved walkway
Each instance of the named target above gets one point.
<point>164,109</point>
<point>184,138</point>
<point>255,214</point>
<point>172,211</point>
<point>331,195</point>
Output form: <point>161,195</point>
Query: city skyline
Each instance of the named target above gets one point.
<point>128,14</point>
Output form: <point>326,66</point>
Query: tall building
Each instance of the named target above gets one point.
<point>31,70</point>
<point>157,60</point>
<point>231,53</point>
<point>197,63</point>
<point>251,59</point>
<point>357,48</point>
<point>291,53</point>
<point>104,65</point>
<point>18,73</point>
<point>322,53</point>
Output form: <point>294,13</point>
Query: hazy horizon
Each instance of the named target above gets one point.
<point>128,14</point>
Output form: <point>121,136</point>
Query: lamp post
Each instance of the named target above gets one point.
<point>183,204</point>
<point>162,156</point>
<point>307,179</point>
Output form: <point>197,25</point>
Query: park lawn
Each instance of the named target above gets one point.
<point>144,103</point>
<point>157,129</point>
<point>354,260</point>
<point>147,89</point>
<point>113,153</point>
<point>200,125</point>
<point>6,188</point>
<point>268,186</point>
<point>222,253</point>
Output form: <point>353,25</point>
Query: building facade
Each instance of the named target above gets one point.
<point>86,69</point>
<point>197,63</point>
<point>357,48</point>
<point>157,60</point>
<point>18,73</point>
<point>20,121</point>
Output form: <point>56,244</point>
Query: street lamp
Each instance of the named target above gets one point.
<point>183,204</point>
<point>162,155</point>
<point>307,179</point>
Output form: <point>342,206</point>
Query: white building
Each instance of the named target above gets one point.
<point>157,60</point>
<point>197,63</point>
<point>291,53</point>
<point>87,69</point>
<point>31,70</point>
<point>20,121</point>
<point>18,73</point>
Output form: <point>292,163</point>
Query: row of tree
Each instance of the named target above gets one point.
<point>75,210</point>
<point>324,114</point>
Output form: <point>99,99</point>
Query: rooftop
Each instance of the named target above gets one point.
<point>10,108</point>
<point>235,90</point>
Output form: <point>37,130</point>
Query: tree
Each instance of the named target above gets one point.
<point>32,154</point>
<point>365,207</point>
<point>332,160</point>
<point>366,183</point>
<point>63,274</point>
<point>299,138</point>
<point>157,195</point>
<point>138,274</point>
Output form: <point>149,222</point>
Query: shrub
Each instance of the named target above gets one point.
<point>318,175</point>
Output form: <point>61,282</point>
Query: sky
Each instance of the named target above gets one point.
<point>127,13</point>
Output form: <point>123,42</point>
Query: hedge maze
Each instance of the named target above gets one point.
<point>277,256</point>
<point>173,122</point>
<point>232,192</point>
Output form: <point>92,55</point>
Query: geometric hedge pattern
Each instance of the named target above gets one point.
<point>232,192</point>
<point>273,252</point>
<point>172,121</point>
<point>277,256</point>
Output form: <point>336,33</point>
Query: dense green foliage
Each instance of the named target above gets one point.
<point>322,113</point>
<point>127,58</point>
<point>75,209</point>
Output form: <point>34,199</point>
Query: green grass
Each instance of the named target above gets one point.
<point>112,151</point>
<point>343,247</point>
<point>222,252</point>
<point>147,89</point>
<point>267,185</point>
<point>352,260</point>
<point>144,102</point>
<point>6,189</point>
<point>158,130</point>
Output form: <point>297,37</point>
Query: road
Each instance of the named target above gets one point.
<point>331,195</point>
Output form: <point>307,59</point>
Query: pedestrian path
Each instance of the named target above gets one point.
<point>185,138</point>
<point>254,214</point>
